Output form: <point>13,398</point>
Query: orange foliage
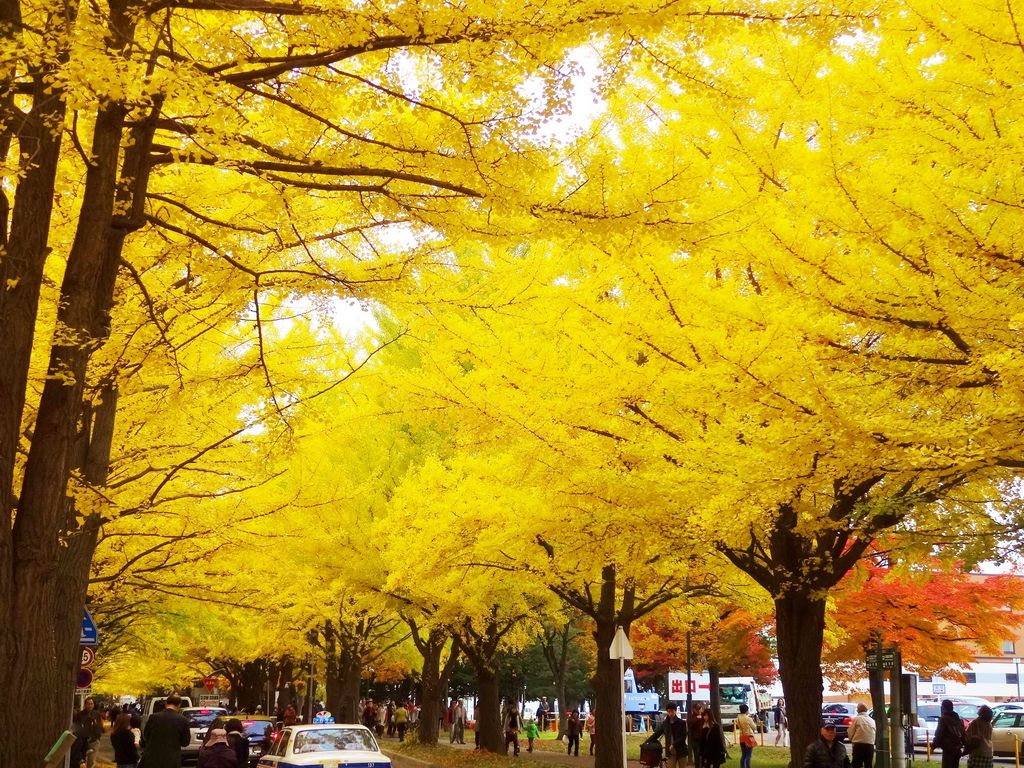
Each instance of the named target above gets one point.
<point>735,643</point>
<point>938,617</point>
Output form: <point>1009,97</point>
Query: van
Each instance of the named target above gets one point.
<point>150,703</point>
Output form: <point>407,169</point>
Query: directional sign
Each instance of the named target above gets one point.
<point>888,658</point>
<point>84,679</point>
<point>88,656</point>
<point>89,634</point>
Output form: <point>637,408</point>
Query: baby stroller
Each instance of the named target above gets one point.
<point>650,754</point>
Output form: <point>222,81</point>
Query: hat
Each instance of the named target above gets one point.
<point>217,736</point>
<point>828,724</point>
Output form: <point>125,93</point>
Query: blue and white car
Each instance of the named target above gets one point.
<point>327,745</point>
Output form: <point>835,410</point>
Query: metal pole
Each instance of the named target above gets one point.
<point>622,692</point>
<point>689,676</point>
<point>896,743</point>
<point>1016,664</point>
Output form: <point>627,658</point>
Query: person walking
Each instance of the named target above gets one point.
<point>217,753</point>
<point>542,714</point>
<point>458,735</point>
<point>826,751</point>
<point>745,728</point>
<point>401,720</point>
<point>713,751</point>
<point>978,739</point>
<point>781,722</point>
<point>290,716</point>
<point>694,724</point>
<point>238,741</point>
<point>862,736</point>
<point>122,739</point>
<point>511,723</point>
<point>166,732</point>
<point>91,721</point>
<point>590,726</point>
<point>573,727</point>
<point>674,730</point>
<point>949,735</point>
<point>532,732</point>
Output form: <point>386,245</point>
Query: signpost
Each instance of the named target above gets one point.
<point>210,683</point>
<point>89,636</point>
<point>84,679</point>
<point>621,649</point>
<point>88,656</point>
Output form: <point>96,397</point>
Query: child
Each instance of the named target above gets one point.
<point>532,732</point>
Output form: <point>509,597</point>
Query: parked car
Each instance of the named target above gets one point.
<point>840,714</point>
<point>928,718</point>
<point>325,745</point>
<point>1007,728</point>
<point>199,721</point>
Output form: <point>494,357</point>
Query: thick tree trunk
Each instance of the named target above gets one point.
<point>351,675</point>
<point>800,628</point>
<point>609,690</point>
<point>488,714</point>
<point>433,678</point>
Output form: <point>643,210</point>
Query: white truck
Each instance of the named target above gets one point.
<point>732,691</point>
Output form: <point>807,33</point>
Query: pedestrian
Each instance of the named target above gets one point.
<point>458,733</point>
<point>511,723</point>
<point>389,718</point>
<point>826,751</point>
<point>217,753</point>
<point>590,726</point>
<point>290,716</point>
<point>401,720</point>
<point>573,727</point>
<point>238,741</point>
<point>949,735</point>
<point>694,724</point>
<point>78,747</point>
<point>381,720</point>
<point>166,732</point>
<point>862,736</point>
<point>978,739</point>
<point>781,722</point>
<point>542,714</point>
<point>673,728</point>
<point>126,750</point>
<point>532,732</point>
<point>713,751</point>
<point>136,723</point>
<point>745,728</point>
<point>370,715</point>
<point>91,721</point>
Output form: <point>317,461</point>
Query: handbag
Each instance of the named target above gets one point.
<point>747,740</point>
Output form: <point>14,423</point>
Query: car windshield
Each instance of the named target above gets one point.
<point>930,711</point>
<point>970,711</point>
<point>733,694</point>
<point>257,727</point>
<point>333,740</point>
<point>200,718</point>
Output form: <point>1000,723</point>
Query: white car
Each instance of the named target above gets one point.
<point>1007,729</point>
<point>329,745</point>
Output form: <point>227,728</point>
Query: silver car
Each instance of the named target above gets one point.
<point>928,719</point>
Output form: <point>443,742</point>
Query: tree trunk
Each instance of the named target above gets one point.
<point>609,689</point>
<point>488,714</point>
<point>428,726</point>
<point>800,628</point>
<point>351,670</point>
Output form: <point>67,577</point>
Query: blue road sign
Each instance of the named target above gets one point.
<point>89,634</point>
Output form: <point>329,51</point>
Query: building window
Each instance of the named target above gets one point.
<point>1011,679</point>
<point>925,678</point>
<point>970,677</point>
<point>1008,648</point>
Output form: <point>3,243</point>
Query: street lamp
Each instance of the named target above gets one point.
<point>1016,665</point>
<point>622,650</point>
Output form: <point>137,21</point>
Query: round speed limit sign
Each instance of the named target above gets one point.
<point>88,656</point>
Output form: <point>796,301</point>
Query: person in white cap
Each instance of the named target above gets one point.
<point>217,753</point>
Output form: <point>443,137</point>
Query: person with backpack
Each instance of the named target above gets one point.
<point>949,735</point>
<point>513,721</point>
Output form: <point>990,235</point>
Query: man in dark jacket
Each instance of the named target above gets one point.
<point>949,735</point>
<point>826,751</point>
<point>165,734</point>
<point>673,728</point>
